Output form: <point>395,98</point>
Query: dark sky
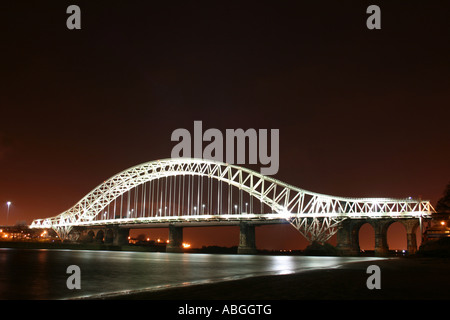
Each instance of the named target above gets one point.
<point>361,113</point>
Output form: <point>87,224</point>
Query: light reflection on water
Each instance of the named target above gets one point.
<point>41,274</point>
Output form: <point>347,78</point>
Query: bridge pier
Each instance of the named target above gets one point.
<point>381,246</point>
<point>348,235</point>
<point>247,243</point>
<point>411,226</point>
<point>175,239</point>
<point>347,238</point>
<point>121,236</point>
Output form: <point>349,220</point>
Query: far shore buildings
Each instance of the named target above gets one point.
<point>439,227</point>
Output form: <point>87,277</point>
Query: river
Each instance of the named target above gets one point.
<point>42,273</point>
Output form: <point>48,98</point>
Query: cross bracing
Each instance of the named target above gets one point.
<point>185,190</point>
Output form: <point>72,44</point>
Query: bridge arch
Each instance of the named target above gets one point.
<point>99,237</point>
<point>408,232</point>
<point>350,234</point>
<point>366,236</point>
<point>396,236</point>
<point>95,201</point>
<point>90,236</point>
<point>317,216</point>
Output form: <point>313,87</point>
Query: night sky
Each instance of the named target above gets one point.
<point>361,113</point>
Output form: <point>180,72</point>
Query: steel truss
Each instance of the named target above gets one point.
<point>317,229</point>
<point>316,216</point>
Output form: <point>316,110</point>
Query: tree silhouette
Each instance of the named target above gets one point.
<point>443,205</point>
<point>141,237</point>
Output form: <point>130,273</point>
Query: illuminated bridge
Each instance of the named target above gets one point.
<point>184,192</point>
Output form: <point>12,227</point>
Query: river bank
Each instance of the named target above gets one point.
<point>401,279</point>
<point>162,248</point>
<point>76,246</point>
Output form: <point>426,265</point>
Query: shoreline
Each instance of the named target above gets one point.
<point>401,279</point>
<point>160,248</point>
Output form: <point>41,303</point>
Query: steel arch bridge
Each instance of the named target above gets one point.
<point>188,191</point>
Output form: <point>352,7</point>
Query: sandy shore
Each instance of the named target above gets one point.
<point>401,278</point>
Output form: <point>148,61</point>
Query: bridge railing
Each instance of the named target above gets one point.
<point>356,210</point>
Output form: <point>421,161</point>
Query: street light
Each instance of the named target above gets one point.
<point>235,208</point>
<point>7,212</point>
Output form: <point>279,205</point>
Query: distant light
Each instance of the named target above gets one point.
<point>8,203</point>
<point>186,245</point>
<point>443,223</point>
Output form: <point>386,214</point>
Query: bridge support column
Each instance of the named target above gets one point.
<point>411,242</point>
<point>247,243</point>
<point>411,226</point>
<point>121,236</point>
<point>381,246</point>
<point>175,239</point>
<point>347,238</point>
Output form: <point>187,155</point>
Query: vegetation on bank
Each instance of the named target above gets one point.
<point>435,248</point>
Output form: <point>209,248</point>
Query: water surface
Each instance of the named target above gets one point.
<point>41,273</point>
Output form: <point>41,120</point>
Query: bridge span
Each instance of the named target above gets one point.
<point>184,192</point>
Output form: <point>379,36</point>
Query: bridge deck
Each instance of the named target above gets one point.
<point>220,220</point>
<point>190,221</point>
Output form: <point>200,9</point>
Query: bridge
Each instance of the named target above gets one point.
<point>185,192</point>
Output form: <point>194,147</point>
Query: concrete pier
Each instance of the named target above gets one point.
<point>175,239</point>
<point>247,243</point>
